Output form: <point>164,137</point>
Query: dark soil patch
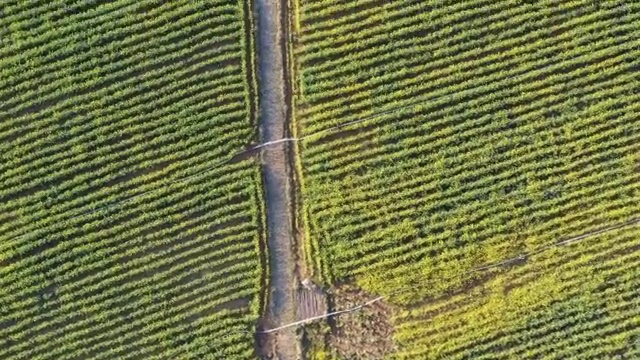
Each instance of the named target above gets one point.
<point>364,334</point>
<point>237,304</point>
<point>137,173</point>
<point>344,134</point>
<point>249,152</point>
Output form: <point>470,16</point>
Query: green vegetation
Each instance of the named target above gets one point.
<point>484,130</point>
<point>471,132</point>
<point>122,236</point>
<point>577,302</point>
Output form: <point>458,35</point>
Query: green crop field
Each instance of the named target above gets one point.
<point>482,130</point>
<point>573,303</point>
<point>473,166</point>
<point>121,234</point>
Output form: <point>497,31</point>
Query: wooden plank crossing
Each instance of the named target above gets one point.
<point>311,301</point>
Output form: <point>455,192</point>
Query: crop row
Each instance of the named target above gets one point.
<point>492,98</point>
<point>451,79</point>
<point>126,231</point>
<point>478,131</point>
<point>587,309</point>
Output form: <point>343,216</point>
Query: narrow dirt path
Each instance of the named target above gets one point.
<point>273,126</point>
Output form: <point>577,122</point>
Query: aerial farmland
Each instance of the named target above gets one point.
<point>320,179</point>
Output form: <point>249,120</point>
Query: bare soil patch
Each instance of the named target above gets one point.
<point>364,334</point>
